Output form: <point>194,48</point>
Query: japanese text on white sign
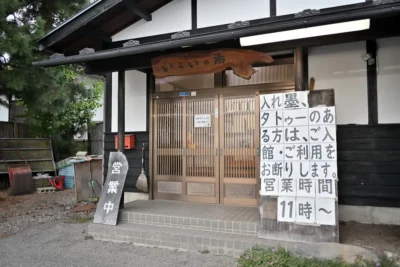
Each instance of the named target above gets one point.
<point>298,158</point>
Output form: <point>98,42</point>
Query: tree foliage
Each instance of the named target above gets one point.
<point>64,107</point>
<point>55,100</point>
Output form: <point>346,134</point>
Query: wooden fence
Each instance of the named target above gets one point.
<point>13,130</point>
<point>96,139</point>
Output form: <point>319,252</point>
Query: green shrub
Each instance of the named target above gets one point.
<point>259,257</point>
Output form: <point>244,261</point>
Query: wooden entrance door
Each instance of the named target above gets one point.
<point>201,158</point>
<point>239,142</point>
<point>186,166</point>
<point>168,149</point>
<point>205,150</point>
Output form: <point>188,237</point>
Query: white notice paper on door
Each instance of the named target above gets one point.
<point>202,120</point>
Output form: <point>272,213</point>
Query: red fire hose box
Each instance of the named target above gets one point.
<point>129,141</point>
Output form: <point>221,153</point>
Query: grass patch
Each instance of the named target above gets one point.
<point>259,257</point>
<point>81,219</point>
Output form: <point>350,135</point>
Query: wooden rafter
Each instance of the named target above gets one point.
<point>134,7</point>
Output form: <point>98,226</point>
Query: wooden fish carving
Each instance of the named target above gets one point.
<point>212,61</point>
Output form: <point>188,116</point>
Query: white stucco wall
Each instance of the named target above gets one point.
<point>217,12</point>
<point>176,16</point>
<point>99,113</point>
<point>135,102</point>
<point>173,17</point>
<point>284,7</point>
<point>3,111</point>
<point>341,67</point>
<point>388,64</point>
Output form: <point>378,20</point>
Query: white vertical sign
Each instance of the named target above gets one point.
<point>305,210</point>
<point>298,157</point>
<point>286,209</point>
<point>325,209</point>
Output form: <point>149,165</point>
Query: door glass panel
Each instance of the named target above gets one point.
<point>200,150</point>
<point>168,145</point>
<point>239,137</point>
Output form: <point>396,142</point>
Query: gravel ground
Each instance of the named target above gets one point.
<point>381,238</point>
<point>63,244</point>
<point>51,225</point>
<point>20,212</point>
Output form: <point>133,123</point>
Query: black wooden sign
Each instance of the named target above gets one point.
<point>108,206</point>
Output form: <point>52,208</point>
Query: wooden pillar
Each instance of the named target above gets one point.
<point>372,83</point>
<point>121,120</point>
<point>16,132</point>
<point>301,68</point>
<point>272,8</point>
<point>219,79</point>
<point>107,104</point>
<point>151,88</point>
<point>194,14</point>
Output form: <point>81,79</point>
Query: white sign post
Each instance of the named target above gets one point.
<point>298,158</point>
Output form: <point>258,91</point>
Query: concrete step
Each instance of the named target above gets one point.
<point>205,217</point>
<point>218,243</point>
<point>174,238</point>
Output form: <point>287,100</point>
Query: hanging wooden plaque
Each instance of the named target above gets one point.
<point>212,61</point>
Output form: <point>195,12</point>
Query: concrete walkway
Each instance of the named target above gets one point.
<point>64,244</point>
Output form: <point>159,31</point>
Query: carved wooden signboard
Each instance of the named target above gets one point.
<point>298,166</point>
<point>108,206</point>
<point>202,62</point>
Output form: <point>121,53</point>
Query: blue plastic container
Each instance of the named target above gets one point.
<point>68,172</point>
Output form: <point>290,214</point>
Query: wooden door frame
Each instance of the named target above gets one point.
<point>198,179</point>
<point>241,201</point>
<point>228,91</point>
<point>168,196</point>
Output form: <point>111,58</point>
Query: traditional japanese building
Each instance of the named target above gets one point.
<point>200,119</point>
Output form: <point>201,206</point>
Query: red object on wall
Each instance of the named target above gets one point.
<point>129,141</point>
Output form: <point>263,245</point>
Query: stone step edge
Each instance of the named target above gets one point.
<point>219,243</point>
<point>166,237</point>
<point>224,226</point>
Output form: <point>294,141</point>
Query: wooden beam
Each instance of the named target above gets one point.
<point>134,7</point>
<point>272,8</point>
<point>142,62</point>
<point>209,34</point>
<point>81,19</point>
<point>301,68</point>
<point>121,111</point>
<point>219,79</point>
<point>107,104</point>
<point>372,83</point>
<point>194,14</point>
<point>121,119</point>
<point>151,88</point>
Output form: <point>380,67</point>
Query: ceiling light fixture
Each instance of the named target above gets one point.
<point>351,26</point>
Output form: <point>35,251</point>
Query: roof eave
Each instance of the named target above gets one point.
<point>273,26</point>
<point>75,22</point>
